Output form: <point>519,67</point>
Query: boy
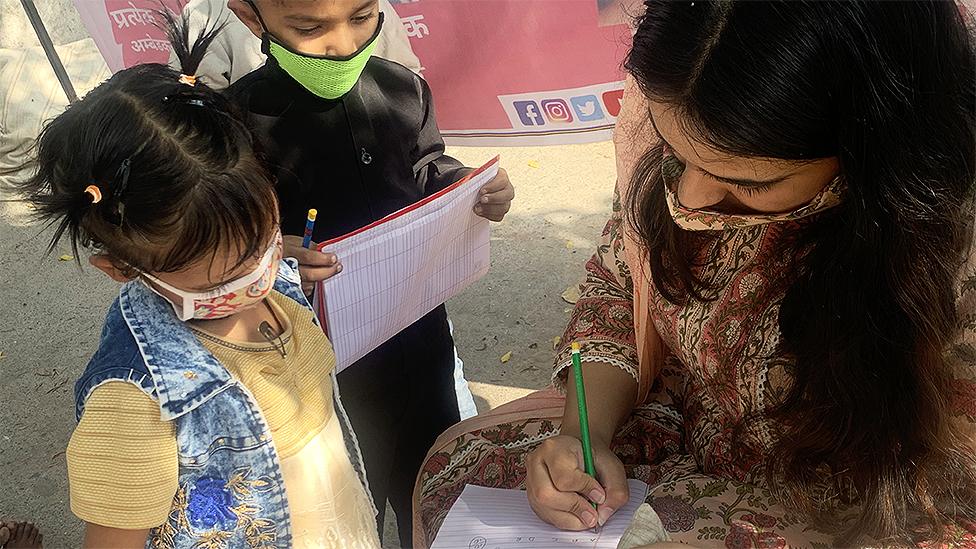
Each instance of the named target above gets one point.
<point>236,52</point>
<point>355,138</point>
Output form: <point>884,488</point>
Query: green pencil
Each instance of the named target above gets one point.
<point>584,419</point>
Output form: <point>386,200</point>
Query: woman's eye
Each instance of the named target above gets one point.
<point>753,191</point>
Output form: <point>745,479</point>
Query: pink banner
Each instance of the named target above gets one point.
<point>534,71</point>
<point>527,71</point>
<point>126,31</point>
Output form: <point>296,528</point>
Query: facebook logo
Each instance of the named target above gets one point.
<point>587,108</point>
<point>529,113</point>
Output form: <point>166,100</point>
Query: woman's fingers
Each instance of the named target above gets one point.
<point>613,478</point>
<point>559,492</point>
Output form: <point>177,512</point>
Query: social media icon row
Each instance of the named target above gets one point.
<point>586,108</point>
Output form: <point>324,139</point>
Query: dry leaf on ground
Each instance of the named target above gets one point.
<point>571,295</point>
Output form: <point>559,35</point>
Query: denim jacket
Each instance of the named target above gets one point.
<point>231,493</point>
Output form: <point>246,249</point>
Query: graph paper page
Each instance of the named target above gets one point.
<point>400,268</point>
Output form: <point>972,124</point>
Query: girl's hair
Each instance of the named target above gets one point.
<point>173,163</point>
<point>888,88</point>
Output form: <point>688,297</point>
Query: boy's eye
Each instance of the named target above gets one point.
<point>306,31</point>
<point>360,19</point>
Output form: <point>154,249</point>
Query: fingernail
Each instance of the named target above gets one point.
<point>597,496</point>
<point>477,209</point>
<point>589,519</point>
<point>339,268</point>
<point>484,199</point>
<point>605,513</point>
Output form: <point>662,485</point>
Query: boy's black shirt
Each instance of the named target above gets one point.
<point>355,159</point>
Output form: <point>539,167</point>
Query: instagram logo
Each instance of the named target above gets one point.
<point>557,111</point>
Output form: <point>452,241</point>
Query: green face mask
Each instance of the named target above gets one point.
<point>325,76</point>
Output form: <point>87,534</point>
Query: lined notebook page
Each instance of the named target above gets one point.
<point>400,268</point>
<point>493,518</point>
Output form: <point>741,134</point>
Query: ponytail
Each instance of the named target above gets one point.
<point>177,30</point>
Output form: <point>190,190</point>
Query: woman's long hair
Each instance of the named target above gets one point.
<point>888,88</point>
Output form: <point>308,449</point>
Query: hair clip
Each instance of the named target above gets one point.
<point>121,184</point>
<point>95,192</point>
<point>189,80</point>
<point>194,102</point>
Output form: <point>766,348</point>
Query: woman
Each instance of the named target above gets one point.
<point>779,325</point>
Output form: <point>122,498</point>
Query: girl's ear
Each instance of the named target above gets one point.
<point>105,264</point>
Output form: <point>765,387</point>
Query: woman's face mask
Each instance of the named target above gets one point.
<point>229,299</point>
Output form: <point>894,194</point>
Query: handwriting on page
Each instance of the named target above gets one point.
<point>404,266</point>
<point>492,518</point>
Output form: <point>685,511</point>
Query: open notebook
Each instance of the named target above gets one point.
<point>398,269</point>
<point>493,518</point>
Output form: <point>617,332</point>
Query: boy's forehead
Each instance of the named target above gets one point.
<point>315,9</point>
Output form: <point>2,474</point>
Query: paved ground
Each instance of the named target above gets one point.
<point>52,310</point>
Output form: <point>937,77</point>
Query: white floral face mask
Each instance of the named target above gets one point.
<point>231,298</point>
<point>705,220</point>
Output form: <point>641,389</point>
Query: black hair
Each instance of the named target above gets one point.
<point>888,89</point>
<point>171,159</point>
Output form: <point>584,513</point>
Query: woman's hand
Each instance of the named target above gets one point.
<point>562,494</point>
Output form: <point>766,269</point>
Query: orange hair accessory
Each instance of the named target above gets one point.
<point>188,80</point>
<point>95,193</point>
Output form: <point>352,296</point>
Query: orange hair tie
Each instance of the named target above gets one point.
<point>188,80</point>
<point>95,193</point>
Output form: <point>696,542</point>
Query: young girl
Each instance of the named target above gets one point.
<point>207,416</point>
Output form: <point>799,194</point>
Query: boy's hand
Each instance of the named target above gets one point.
<point>495,198</point>
<point>313,266</point>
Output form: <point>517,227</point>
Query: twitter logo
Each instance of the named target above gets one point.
<point>587,108</point>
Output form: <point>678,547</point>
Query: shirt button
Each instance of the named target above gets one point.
<point>366,157</point>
